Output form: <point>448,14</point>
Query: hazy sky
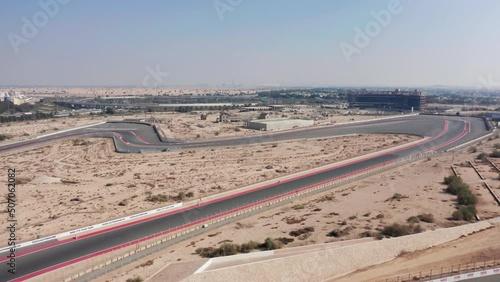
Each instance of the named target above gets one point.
<point>253,42</point>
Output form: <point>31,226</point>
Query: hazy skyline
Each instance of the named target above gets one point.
<point>288,43</point>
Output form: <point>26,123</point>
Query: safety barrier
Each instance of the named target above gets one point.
<point>456,272</point>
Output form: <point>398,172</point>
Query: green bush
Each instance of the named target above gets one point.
<point>272,244</point>
<point>426,217</point>
<point>452,178</point>
<point>366,234</point>
<point>396,230</point>
<point>4,137</point>
<point>248,247</point>
<point>482,156</point>
<point>285,240</point>
<point>464,213</point>
<point>301,231</point>
<point>495,154</point>
<point>465,197</point>
<point>413,219</point>
<point>135,279</point>
<point>157,198</point>
<point>228,249</point>
<point>455,187</point>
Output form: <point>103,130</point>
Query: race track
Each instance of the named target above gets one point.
<point>443,132</point>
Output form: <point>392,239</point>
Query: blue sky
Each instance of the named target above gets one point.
<point>253,42</point>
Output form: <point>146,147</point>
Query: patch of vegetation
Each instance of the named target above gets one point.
<point>452,178</point>
<point>226,249</point>
<point>466,199</point>
<point>456,186</point>
<point>495,154</point>
<point>249,246</point>
<point>294,220</point>
<point>272,244</point>
<point>5,137</point>
<point>135,279</point>
<point>285,240</point>
<point>464,213</point>
<point>301,231</point>
<point>397,230</point>
<point>482,157</point>
<point>298,207</point>
<point>366,234</point>
<point>413,219</point>
<point>426,217</point>
<point>158,198</point>
<point>396,197</point>
<point>339,232</point>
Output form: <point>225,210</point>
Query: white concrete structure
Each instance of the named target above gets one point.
<point>278,124</point>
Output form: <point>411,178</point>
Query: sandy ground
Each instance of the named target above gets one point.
<point>94,184</point>
<point>356,208</point>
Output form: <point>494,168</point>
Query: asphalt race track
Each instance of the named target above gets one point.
<point>443,132</point>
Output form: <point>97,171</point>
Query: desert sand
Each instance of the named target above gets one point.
<point>365,205</point>
<point>97,184</point>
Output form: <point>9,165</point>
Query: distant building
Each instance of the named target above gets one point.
<point>397,100</point>
<point>228,117</point>
<point>251,109</point>
<point>277,124</point>
<point>14,100</point>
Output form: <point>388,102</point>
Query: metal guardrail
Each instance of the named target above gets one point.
<point>443,272</point>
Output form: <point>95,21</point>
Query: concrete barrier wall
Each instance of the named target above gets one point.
<point>327,264</point>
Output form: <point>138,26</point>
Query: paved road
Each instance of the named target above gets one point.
<point>444,133</point>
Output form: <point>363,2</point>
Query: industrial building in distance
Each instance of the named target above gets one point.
<point>390,100</point>
<point>277,124</point>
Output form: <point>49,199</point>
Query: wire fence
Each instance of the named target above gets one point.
<point>86,269</point>
<point>446,271</point>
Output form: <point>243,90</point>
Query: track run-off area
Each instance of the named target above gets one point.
<point>441,134</point>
